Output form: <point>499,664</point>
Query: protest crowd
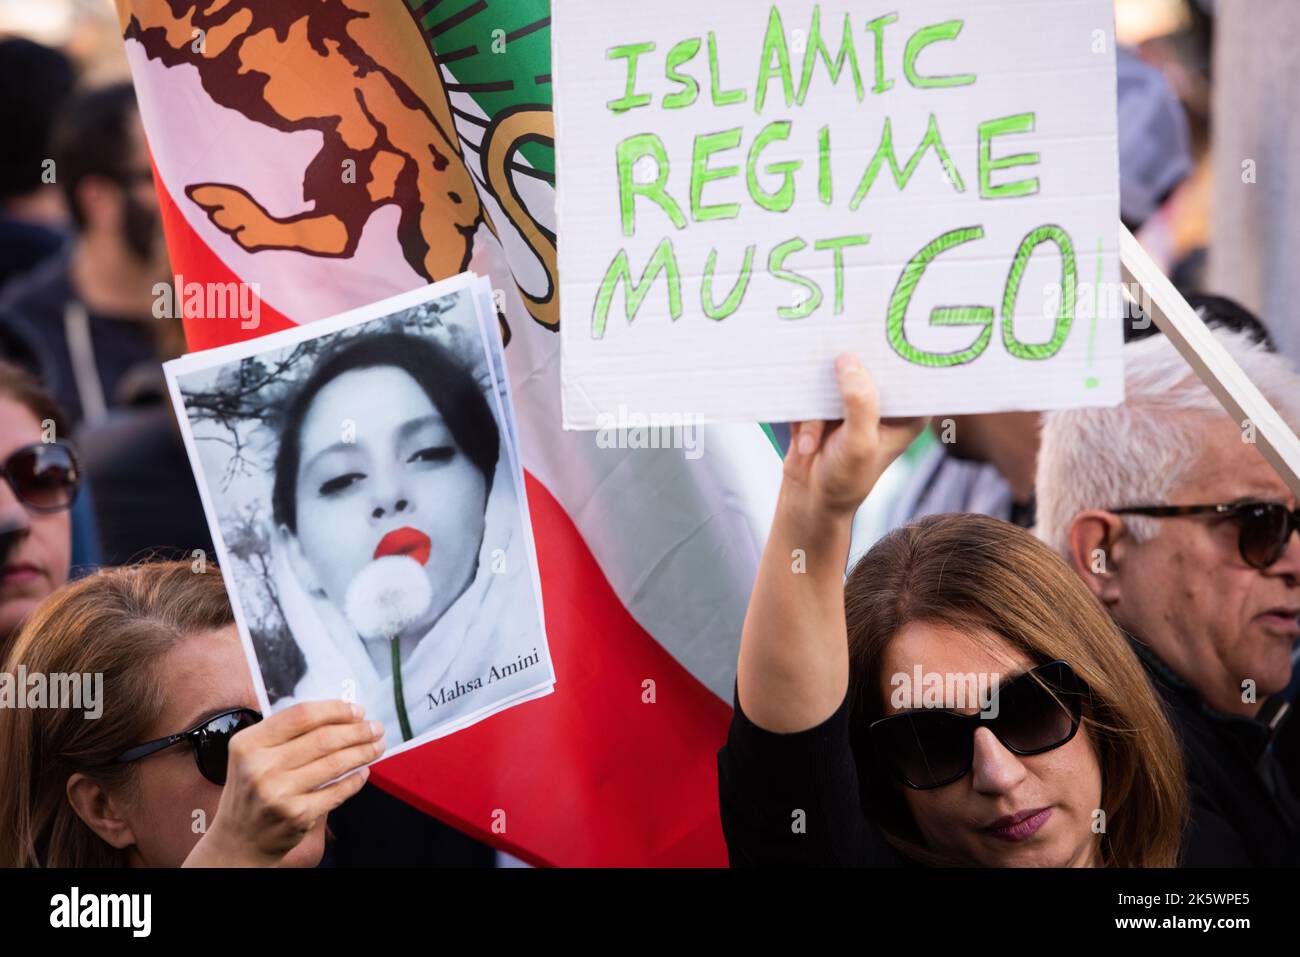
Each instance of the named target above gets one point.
<point>1127,577</point>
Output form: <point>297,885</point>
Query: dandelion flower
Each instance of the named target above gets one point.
<point>387,596</point>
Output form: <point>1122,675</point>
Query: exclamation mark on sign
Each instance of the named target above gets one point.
<point>1091,381</point>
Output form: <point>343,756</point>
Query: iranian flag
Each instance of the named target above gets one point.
<point>330,153</point>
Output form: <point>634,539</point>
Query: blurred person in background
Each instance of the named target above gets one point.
<point>87,314</point>
<point>39,484</point>
<point>1178,45</point>
<point>34,83</point>
<point>87,320</point>
<point>1255,189</point>
<point>147,504</point>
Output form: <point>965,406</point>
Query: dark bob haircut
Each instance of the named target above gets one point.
<point>449,386</point>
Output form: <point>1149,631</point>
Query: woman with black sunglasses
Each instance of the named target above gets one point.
<point>179,767</point>
<point>960,699</point>
<point>39,481</point>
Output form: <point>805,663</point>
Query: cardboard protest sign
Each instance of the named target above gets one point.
<point>746,190</point>
<point>361,479</point>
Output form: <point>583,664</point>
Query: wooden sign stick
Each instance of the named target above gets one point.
<point>1211,362</point>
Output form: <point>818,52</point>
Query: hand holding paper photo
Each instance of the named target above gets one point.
<point>363,487</point>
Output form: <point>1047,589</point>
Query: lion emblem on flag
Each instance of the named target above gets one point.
<point>361,74</point>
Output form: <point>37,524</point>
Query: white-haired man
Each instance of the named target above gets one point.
<point>1184,532</point>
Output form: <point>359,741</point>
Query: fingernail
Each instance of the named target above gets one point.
<point>807,444</point>
<point>365,772</point>
<point>358,712</point>
<point>376,729</point>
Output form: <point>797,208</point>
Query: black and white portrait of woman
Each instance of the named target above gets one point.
<point>364,485</point>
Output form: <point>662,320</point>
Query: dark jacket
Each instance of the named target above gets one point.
<point>375,829</point>
<point>24,245</point>
<point>1244,813</point>
<point>33,333</point>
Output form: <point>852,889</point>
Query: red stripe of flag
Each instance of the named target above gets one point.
<point>193,260</point>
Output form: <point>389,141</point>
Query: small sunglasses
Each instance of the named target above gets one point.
<point>44,476</point>
<point>1263,528</point>
<point>1037,711</point>
<point>211,741</point>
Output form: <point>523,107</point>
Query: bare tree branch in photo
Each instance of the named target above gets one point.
<point>248,541</point>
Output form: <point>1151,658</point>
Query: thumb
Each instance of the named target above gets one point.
<point>861,403</point>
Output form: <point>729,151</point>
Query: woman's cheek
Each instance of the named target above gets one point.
<point>333,542</point>
<point>173,817</point>
<point>1079,773</point>
<point>457,498</point>
<point>929,813</point>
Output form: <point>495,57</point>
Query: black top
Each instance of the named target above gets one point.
<point>32,332</point>
<point>146,501</point>
<point>792,800</point>
<point>375,829</point>
<point>1244,813</point>
<point>23,245</point>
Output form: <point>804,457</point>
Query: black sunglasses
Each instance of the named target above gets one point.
<point>1263,528</point>
<point>211,741</point>
<point>1037,711</point>
<point>44,476</point>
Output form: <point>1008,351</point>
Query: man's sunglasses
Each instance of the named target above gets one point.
<point>44,476</point>
<point>1035,712</point>
<point>211,741</point>
<point>1263,528</point>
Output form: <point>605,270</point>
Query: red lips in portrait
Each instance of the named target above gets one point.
<point>405,541</point>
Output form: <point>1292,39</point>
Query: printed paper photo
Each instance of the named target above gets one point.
<point>363,488</point>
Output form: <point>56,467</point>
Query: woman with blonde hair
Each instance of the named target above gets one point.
<point>173,764</point>
<point>961,699</point>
